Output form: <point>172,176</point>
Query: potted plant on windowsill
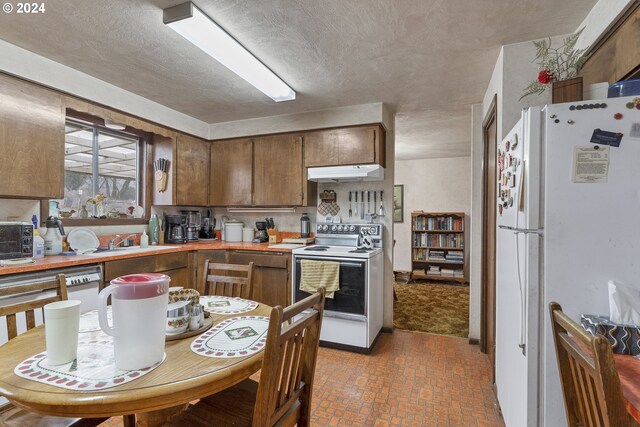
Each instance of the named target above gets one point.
<point>98,200</point>
<point>558,69</point>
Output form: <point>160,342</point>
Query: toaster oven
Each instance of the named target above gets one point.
<point>16,240</point>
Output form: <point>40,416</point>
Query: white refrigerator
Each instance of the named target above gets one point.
<point>570,222</point>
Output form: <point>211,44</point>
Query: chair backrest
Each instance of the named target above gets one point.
<point>231,280</point>
<point>590,383</point>
<point>29,308</point>
<point>288,368</point>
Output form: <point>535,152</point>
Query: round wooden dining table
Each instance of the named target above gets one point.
<point>184,376</point>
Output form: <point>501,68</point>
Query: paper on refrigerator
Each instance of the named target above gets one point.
<point>590,164</point>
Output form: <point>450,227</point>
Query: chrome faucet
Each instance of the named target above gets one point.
<point>113,244</point>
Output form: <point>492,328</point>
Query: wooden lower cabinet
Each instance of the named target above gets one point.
<point>272,275</point>
<point>174,265</point>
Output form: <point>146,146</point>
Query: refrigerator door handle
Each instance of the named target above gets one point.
<point>538,231</point>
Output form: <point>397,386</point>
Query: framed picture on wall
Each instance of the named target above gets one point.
<point>398,203</point>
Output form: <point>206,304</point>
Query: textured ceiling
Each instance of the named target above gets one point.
<point>416,55</point>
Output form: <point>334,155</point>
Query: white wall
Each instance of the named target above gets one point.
<point>514,69</point>
<point>475,229</point>
<point>431,185</point>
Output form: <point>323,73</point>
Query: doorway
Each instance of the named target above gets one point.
<point>488,307</point>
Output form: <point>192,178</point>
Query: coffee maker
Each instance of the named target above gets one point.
<point>175,229</point>
<point>262,235</point>
<point>208,224</point>
<point>193,224</point>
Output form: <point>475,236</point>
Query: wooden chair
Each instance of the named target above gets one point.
<point>10,416</point>
<point>231,280</point>
<point>590,383</point>
<point>283,395</point>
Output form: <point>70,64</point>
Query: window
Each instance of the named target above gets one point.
<point>100,161</point>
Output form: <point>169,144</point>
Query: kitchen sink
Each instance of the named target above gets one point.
<point>131,250</point>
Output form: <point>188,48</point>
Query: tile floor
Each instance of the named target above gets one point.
<point>411,379</point>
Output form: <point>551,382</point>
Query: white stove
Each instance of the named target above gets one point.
<point>353,317</point>
<point>338,251</point>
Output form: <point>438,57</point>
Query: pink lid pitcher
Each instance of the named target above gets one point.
<point>139,304</point>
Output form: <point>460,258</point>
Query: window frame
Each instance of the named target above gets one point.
<point>141,170</point>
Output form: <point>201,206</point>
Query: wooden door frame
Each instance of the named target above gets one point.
<point>491,116</point>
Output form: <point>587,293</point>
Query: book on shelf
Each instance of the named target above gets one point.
<point>442,240</point>
<point>458,273</point>
<point>446,272</point>
<point>453,223</point>
<point>454,256</point>
<point>436,255</point>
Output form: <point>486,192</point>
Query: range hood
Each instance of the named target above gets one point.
<point>346,173</point>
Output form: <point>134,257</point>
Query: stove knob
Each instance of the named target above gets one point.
<point>341,228</point>
<point>352,228</point>
<point>334,228</point>
<point>372,230</point>
<point>322,227</point>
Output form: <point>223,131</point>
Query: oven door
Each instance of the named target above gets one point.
<point>351,300</point>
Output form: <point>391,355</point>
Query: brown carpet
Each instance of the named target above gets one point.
<point>432,307</point>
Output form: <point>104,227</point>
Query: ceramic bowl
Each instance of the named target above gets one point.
<point>181,294</point>
<point>177,325</point>
<point>177,317</point>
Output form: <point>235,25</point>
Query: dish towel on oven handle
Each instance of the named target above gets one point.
<point>315,274</point>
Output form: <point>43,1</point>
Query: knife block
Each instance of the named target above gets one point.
<point>274,236</point>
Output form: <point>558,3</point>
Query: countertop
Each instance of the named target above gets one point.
<point>59,261</point>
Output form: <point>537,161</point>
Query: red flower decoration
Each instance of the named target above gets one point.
<point>545,77</point>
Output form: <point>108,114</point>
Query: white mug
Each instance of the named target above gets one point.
<point>139,303</point>
<point>61,324</point>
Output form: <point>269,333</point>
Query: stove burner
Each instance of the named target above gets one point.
<point>360,251</point>
<point>317,248</point>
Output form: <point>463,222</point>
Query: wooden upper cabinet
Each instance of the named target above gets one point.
<point>192,171</point>
<point>188,174</point>
<point>231,173</point>
<point>31,140</point>
<point>277,171</point>
<point>345,146</point>
<point>617,56</point>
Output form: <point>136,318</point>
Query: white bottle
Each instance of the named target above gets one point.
<point>53,238</point>
<point>38,245</point>
<point>144,239</point>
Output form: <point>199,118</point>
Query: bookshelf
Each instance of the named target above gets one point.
<point>437,246</point>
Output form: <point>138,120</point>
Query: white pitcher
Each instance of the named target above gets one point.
<point>139,303</point>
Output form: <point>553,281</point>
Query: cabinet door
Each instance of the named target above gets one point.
<point>271,276</point>
<point>349,146</point>
<point>179,277</point>
<point>231,173</point>
<point>277,171</point>
<point>31,141</point>
<point>192,171</point>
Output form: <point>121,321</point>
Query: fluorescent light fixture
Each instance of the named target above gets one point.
<point>192,24</point>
